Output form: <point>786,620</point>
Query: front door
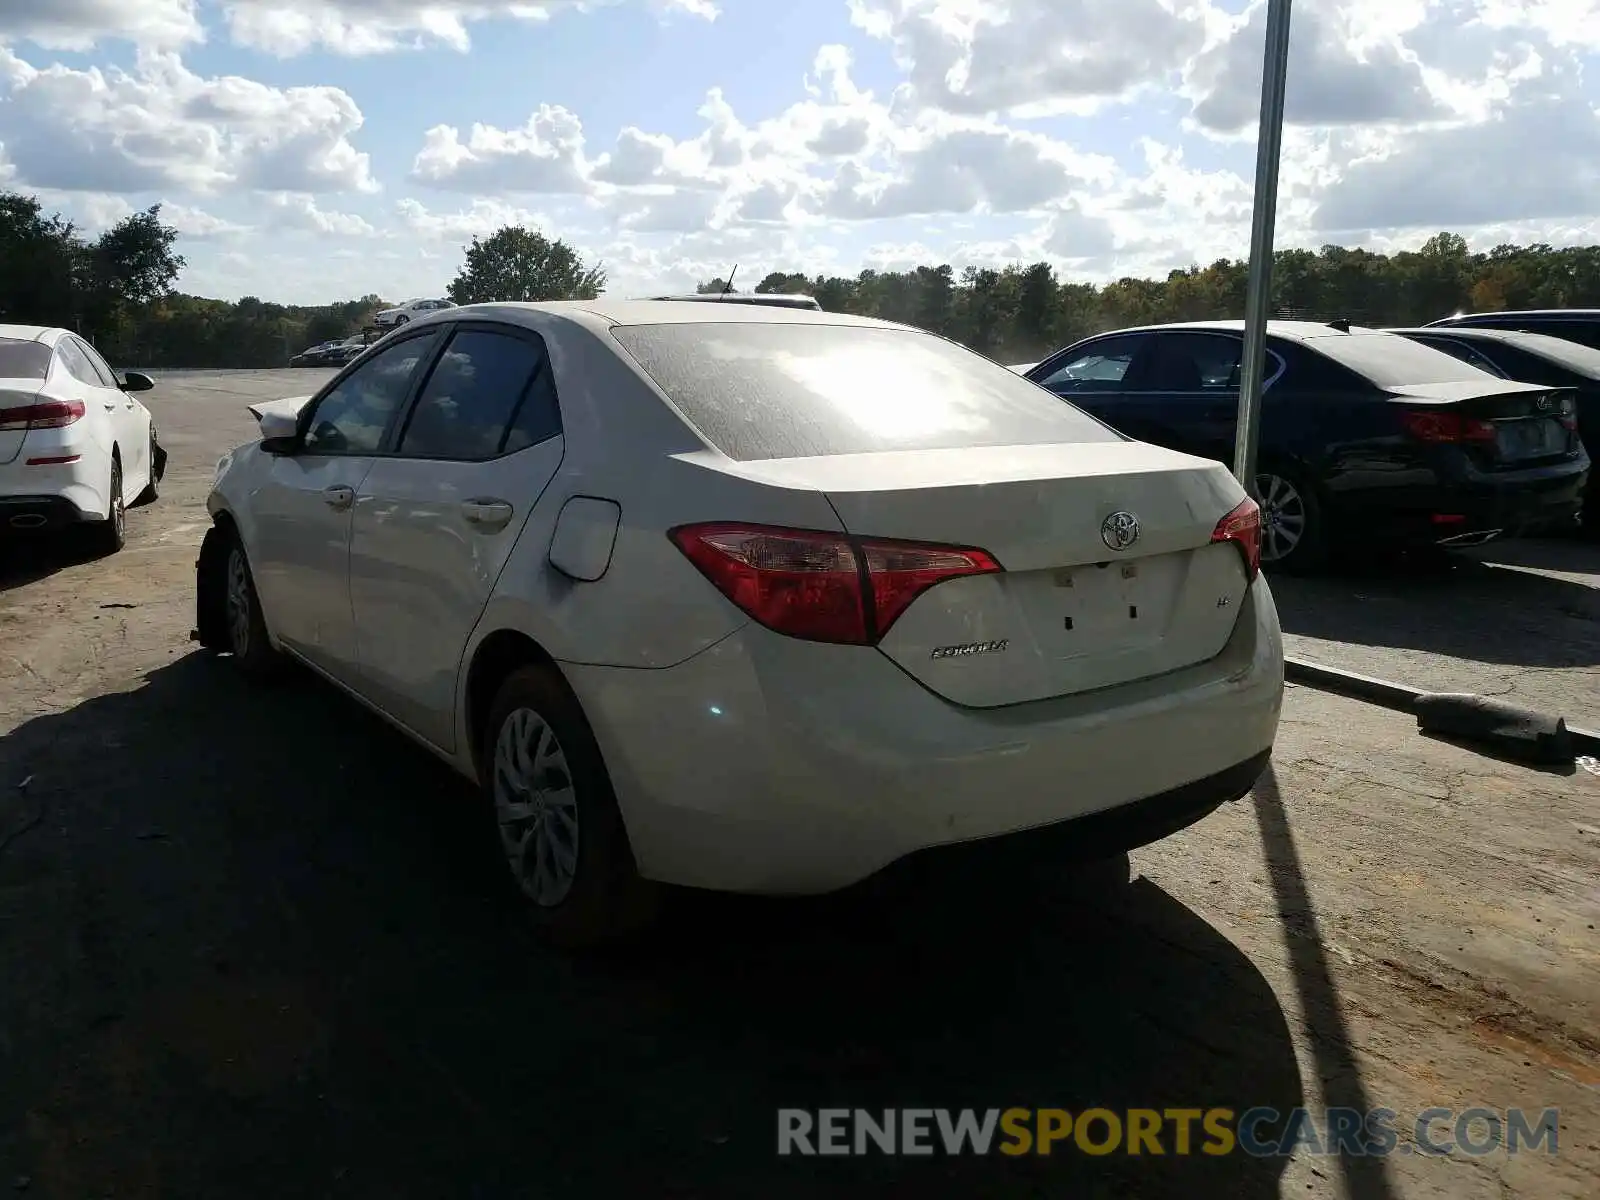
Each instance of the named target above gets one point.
<point>299,544</point>
<point>435,522</point>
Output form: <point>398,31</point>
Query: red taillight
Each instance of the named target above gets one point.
<point>1449,427</point>
<point>824,587</point>
<point>1242,527</point>
<point>48,414</point>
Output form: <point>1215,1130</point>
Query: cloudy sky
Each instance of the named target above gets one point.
<point>313,150</point>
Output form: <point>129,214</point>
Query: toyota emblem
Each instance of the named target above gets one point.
<point>1120,530</point>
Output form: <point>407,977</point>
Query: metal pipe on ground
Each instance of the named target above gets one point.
<point>1515,732</point>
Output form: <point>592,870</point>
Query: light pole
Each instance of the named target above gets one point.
<point>1269,144</point>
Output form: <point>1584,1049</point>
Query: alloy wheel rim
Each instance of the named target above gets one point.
<point>119,513</point>
<point>1283,517</point>
<point>536,807</point>
<point>238,602</point>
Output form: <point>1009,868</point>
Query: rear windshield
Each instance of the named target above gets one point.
<point>1389,360</point>
<point>23,360</point>
<point>781,390</point>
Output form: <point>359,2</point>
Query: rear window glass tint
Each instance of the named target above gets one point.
<point>1389,360</point>
<point>760,391</point>
<point>23,360</point>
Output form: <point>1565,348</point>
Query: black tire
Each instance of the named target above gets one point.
<point>107,537</point>
<point>604,899</point>
<point>158,463</point>
<point>1288,496</point>
<point>243,626</point>
<point>401,320</point>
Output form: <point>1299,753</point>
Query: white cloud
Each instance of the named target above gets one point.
<point>544,156</point>
<point>362,27</point>
<point>1343,70</point>
<point>163,127</point>
<point>79,24</point>
<point>300,211</point>
<point>988,56</point>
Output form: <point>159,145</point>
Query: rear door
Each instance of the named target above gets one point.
<point>435,521</point>
<point>128,417</point>
<point>1186,392</point>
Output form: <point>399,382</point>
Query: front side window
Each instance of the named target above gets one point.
<point>473,396</point>
<point>352,417</point>
<point>1099,365</point>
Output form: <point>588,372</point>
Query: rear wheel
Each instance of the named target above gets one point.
<point>1292,534</point>
<point>401,320</point>
<point>111,535</point>
<point>556,824</point>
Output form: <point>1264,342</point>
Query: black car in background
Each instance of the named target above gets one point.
<point>1574,324</point>
<point>1366,437</point>
<point>1533,358</point>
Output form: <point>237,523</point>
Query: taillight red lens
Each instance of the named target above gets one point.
<point>823,587</point>
<point>1447,427</point>
<point>1242,527</point>
<point>48,414</point>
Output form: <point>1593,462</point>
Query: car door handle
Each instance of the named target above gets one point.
<point>486,513</point>
<point>339,497</point>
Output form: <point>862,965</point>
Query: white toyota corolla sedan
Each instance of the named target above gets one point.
<point>749,598</point>
<point>75,447</point>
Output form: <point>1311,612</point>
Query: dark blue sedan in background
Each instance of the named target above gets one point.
<point>1366,437</point>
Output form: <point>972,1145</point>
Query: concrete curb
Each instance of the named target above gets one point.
<point>1516,732</point>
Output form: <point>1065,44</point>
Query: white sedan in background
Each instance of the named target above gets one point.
<point>76,448</point>
<point>410,310</point>
<point>748,598</point>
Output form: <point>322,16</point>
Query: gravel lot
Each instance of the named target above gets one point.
<point>246,947</point>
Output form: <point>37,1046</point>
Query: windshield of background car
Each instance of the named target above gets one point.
<point>23,360</point>
<point>1389,360</point>
<point>796,390</point>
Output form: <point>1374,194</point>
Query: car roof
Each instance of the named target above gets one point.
<point>1575,356</point>
<point>31,333</point>
<point>1574,314</point>
<point>602,314</point>
<point>1297,331</point>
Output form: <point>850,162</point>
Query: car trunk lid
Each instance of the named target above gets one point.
<point>1110,573</point>
<point>1500,425</point>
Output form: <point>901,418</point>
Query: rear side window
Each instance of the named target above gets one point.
<point>23,360</point>
<point>77,363</point>
<point>793,390</point>
<point>1462,350</point>
<point>474,396</point>
<point>1389,360</point>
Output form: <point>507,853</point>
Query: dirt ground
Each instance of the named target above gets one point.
<point>247,947</point>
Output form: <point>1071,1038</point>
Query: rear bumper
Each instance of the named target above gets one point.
<point>766,764</point>
<point>38,514</point>
<point>1475,509</point>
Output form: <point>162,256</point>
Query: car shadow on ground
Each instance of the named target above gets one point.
<point>253,949</point>
<point>1470,608</point>
<point>26,560</point>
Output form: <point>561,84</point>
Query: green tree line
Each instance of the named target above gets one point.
<point>118,289</point>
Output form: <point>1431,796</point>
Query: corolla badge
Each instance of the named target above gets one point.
<point>1120,530</point>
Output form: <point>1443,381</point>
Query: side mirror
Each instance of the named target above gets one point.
<point>280,432</point>
<point>137,381</point>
